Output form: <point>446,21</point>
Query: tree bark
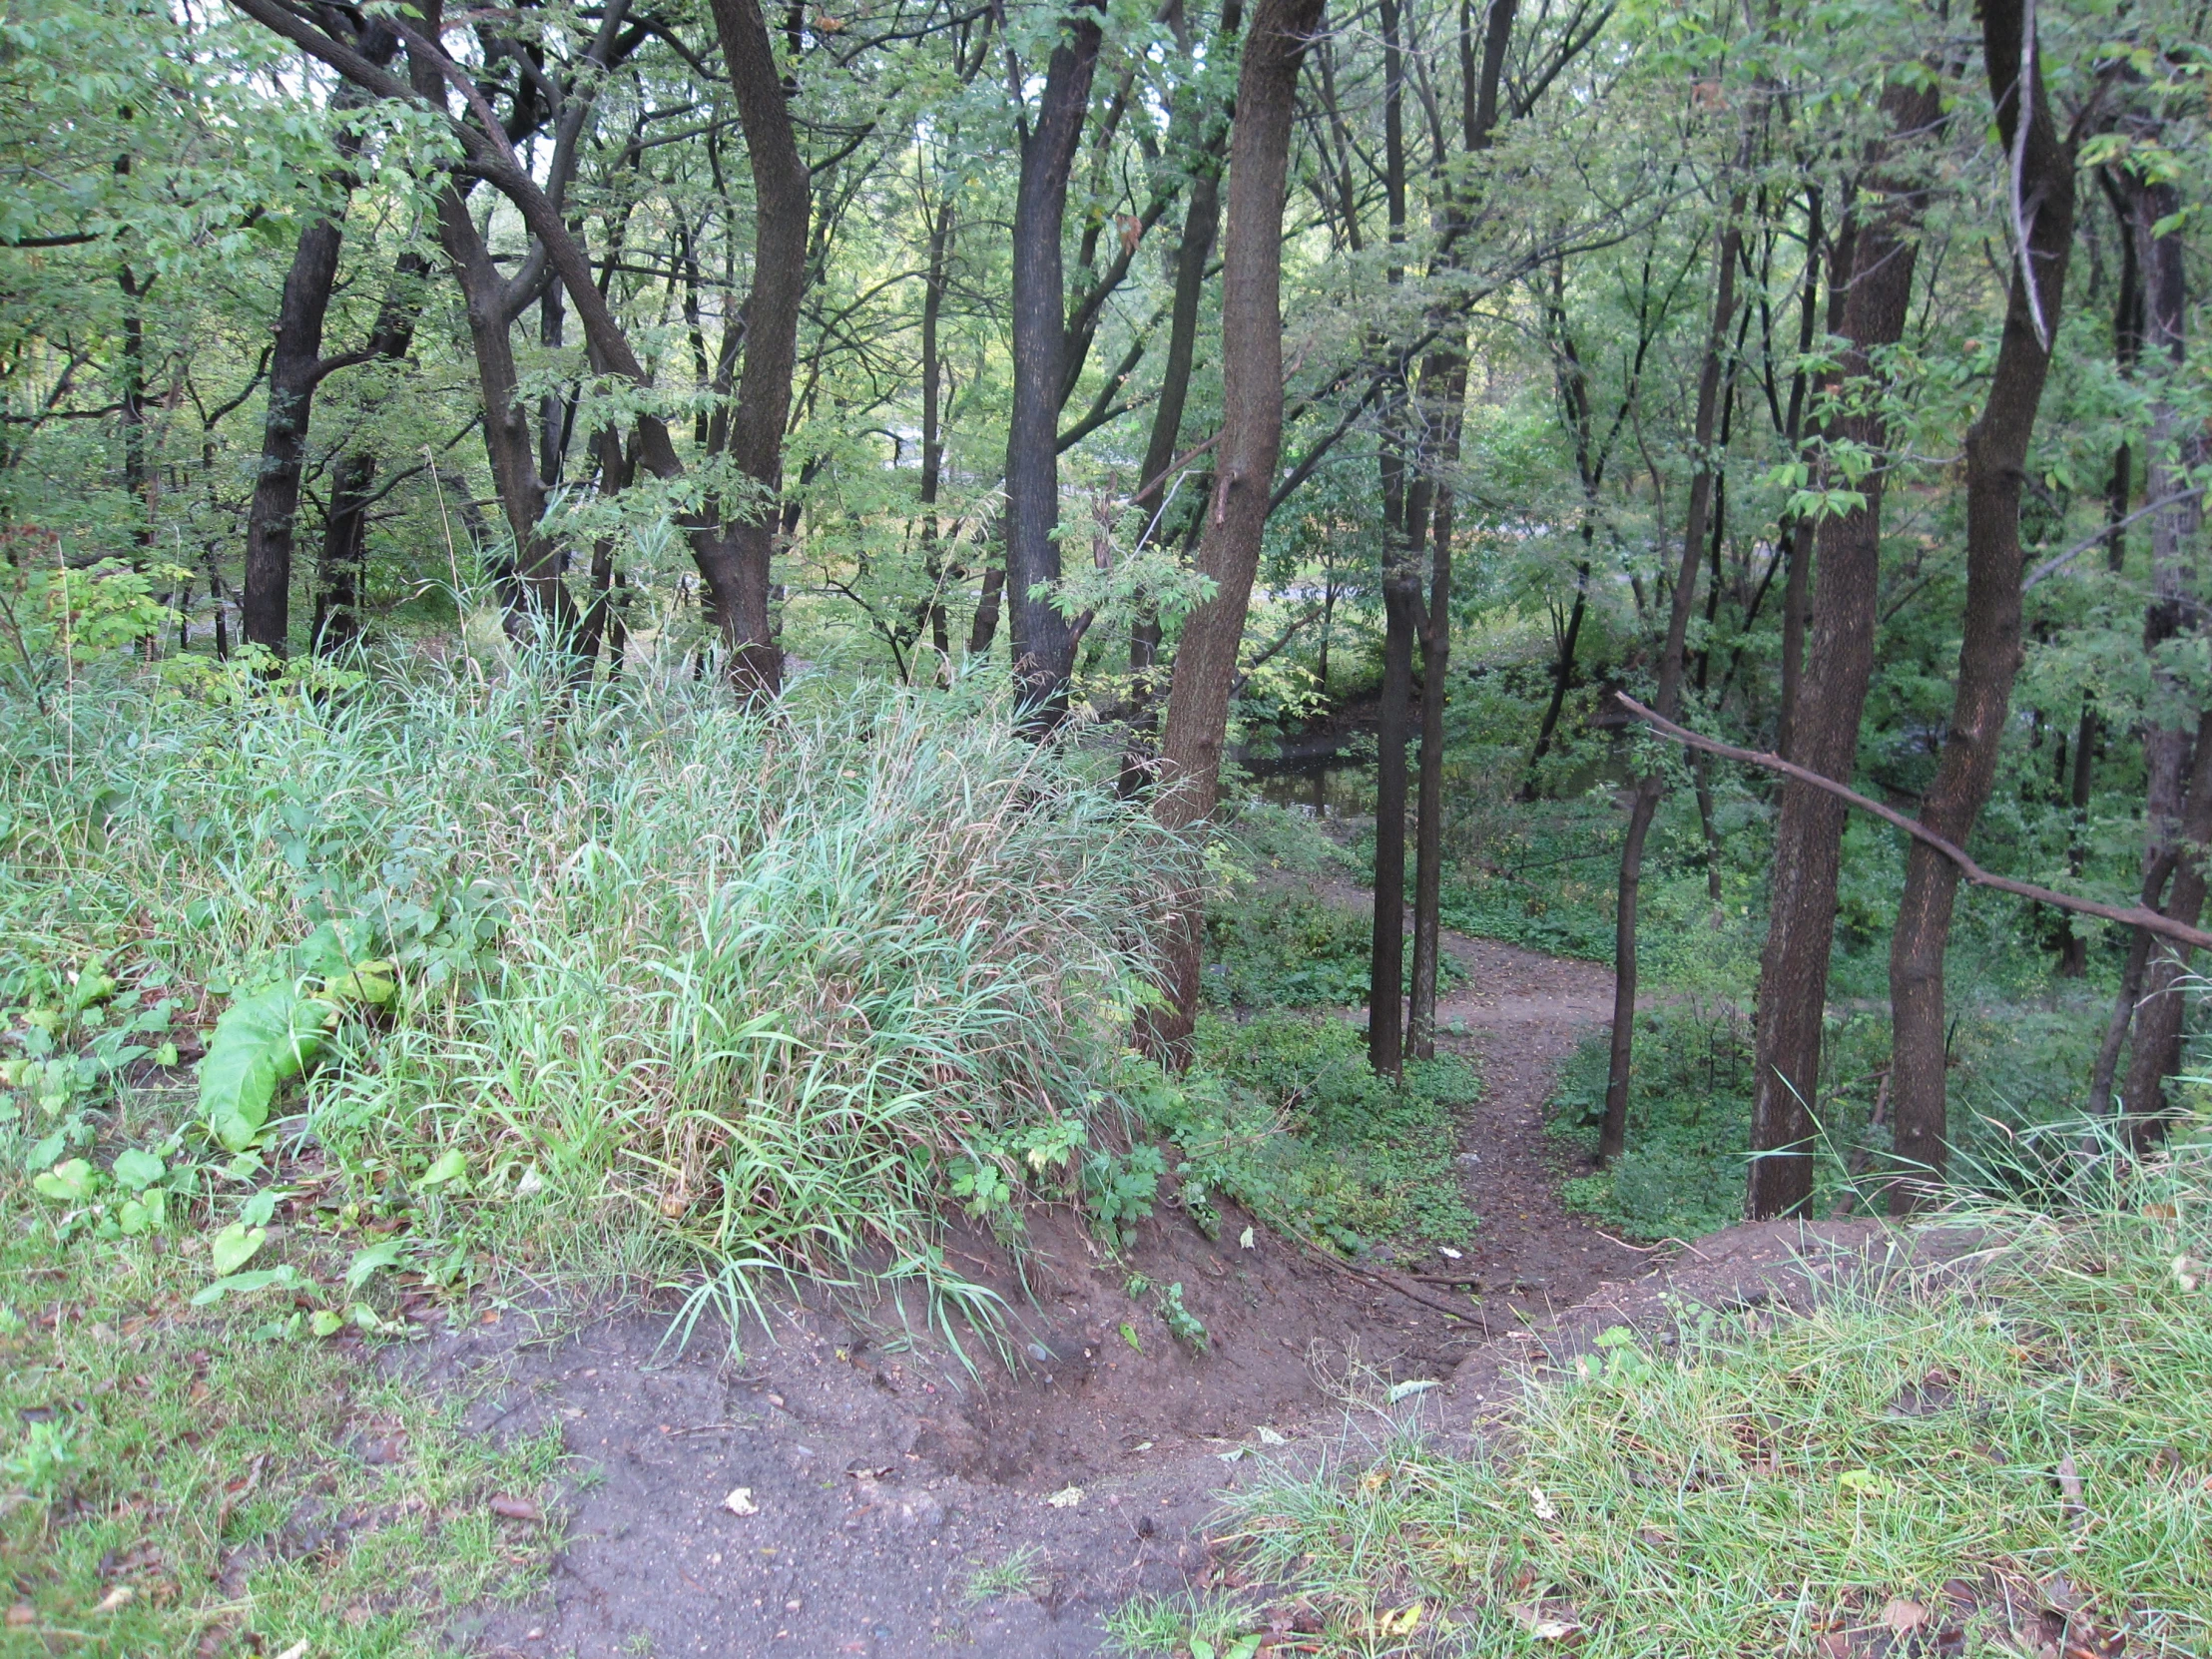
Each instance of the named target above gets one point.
<point>1651,788</point>
<point>1201,227</point>
<point>1808,844</point>
<point>1796,541</point>
<point>783,208</point>
<point>1448,367</point>
<point>296,368</point>
<point>1044,642</point>
<point>1245,465</point>
<point>1990,650</point>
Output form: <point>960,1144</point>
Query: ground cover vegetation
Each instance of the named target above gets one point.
<point>619,628</point>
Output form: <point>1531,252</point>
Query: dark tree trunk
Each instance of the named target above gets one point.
<point>1989,651</point>
<point>1405,535</point>
<point>743,567</point>
<point>1808,844</point>
<point>340,571</point>
<point>2170,459</point>
<point>1644,806</point>
<point>1044,642</point>
<point>1243,479</point>
<point>296,368</point>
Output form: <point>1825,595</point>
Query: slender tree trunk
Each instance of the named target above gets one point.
<point>932,435</point>
<point>1201,226</point>
<point>1244,465</point>
<point>1989,651</point>
<point>783,207</point>
<point>1044,642</point>
<point>1808,844</point>
<point>1644,805</point>
<point>1446,367</point>
<point>341,570</point>
<point>1402,543</point>
<point>2170,460</point>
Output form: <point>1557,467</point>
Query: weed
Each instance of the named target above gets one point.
<point>1016,1575</point>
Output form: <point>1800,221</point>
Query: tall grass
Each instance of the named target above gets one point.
<point>768,983</point>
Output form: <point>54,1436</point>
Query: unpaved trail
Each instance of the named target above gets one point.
<point>1519,1014</point>
<point>882,1480</point>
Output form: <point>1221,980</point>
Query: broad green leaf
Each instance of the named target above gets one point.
<point>451,1165</point>
<point>142,1215</point>
<point>137,1168</point>
<point>234,1246</point>
<point>368,1261</point>
<point>326,1321</point>
<point>260,1279</point>
<point>71,1182</point>
<point>259,1042</point>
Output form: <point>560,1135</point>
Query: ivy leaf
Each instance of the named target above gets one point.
<point>259,1042</point>
<point>258,1280</point>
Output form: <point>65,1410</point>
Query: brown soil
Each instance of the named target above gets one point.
<point>1080,1464</point>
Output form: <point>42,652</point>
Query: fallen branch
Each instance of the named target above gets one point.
<point>2131,917</point>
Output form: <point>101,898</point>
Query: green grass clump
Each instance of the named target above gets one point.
<point>1969,1448</point>
<point>1284,1115</point>
<point>769,987</point>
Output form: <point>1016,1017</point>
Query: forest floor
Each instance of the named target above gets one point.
<point>896,1504</point>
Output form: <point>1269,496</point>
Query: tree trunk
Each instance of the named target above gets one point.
<point>1613,1135</point>
<point>2170,460</point>
<point>1405,532</point>
<point>782,207</point>
<point>1244,478</point>
<point>1808,844</point>
<point>1797,538</point>
<point>340,571</point>
<point>1044,642</point>
<point>296,368</point>
<point>1201,226</point>
<point>1448,367</point>
<point>1989,651</point>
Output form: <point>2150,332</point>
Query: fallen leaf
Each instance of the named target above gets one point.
<point>1246,1238</point>
<point>297,1650</point>
<point>1418,1386</point>
<point>2070,1480</point>
<point>515,1508</point>
<point>1545,1626</point>
<point>1903,1617</point>
<point>1545,1510</point>
<point>115,1598</point>
<point>1067,1497</point>
<point>740,1502</point>
<point>20,1615</point>
<point>1269,1437</point>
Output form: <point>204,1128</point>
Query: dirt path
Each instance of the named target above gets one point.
<point>896,1504</point>
<point>1519,1014</point>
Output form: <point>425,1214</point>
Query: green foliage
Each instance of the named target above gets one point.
<point>1745,1481</point>
<point>1284,948</point>
<point>1284,1116</point>
<point>1689,1123</point>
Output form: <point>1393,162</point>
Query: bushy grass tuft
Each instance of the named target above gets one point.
<point>2006,1459</point>
<point>773,986</point>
